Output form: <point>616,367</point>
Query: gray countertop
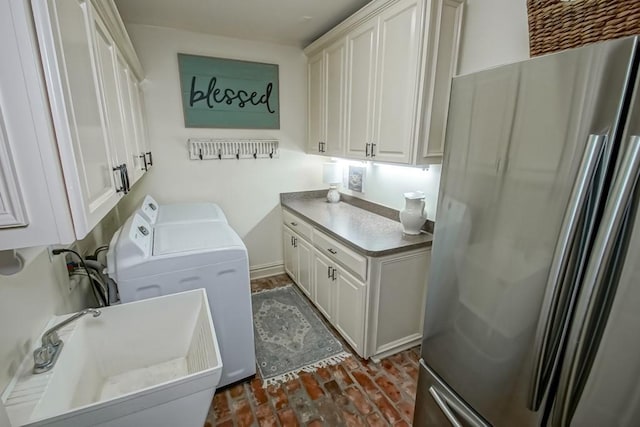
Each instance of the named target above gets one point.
<point>366,232</point>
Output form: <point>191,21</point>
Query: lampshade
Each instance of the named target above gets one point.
<point>331,173</point>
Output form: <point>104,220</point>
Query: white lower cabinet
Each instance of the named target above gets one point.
<point>375,303</point>
<point>350,313</point>
<point>324,286</point>
<point>297,260</point>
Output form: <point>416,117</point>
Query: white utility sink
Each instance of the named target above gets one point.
<point>153,362</point>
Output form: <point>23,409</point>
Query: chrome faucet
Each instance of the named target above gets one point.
<point>45,356</point>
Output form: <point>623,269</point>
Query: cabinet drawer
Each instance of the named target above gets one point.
<point>353,261</point>
<point>296,224</point>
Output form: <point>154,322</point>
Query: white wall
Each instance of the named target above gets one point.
<point>247,190</point>
<point>41,290</point>
<point>385,184</point>
<point>494,32</point>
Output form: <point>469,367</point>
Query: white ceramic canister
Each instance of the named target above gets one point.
<point>413,216</point>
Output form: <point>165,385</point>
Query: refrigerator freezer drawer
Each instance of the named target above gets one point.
<point>438,406</point>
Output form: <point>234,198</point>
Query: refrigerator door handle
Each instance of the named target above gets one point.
<point>580,344</point>
<point>545,351</point>
<point>444,407</point>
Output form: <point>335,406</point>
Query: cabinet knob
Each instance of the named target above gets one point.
<point>295,224</point>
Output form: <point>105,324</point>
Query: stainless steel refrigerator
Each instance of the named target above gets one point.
<point>533,302</point>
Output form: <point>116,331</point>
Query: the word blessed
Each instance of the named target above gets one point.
<point>215,95</point>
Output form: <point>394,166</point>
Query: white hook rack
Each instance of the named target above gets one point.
<point>220,149</point>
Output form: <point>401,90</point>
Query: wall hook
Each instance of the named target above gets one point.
<point>238,155</point>
<point>271,154</point>
<point>219,154</point>
<point>200,155</point>
<point>255,154</point>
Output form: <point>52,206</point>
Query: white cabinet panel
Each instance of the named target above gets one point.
<point>305,267</point>
<point>335,56</point>
<point>290,256</point>
<point>128,109</point>
<point>350,309</point>
<point>396,95</point>
<point>323,273</point>
<point>33,205</point>
<point>440,65</point>
<point>315,99</point>
<point>80,125</point>
<point>12,209</point>
<point>108,73</point>
<point>362,57</point>
<point>297,260</point>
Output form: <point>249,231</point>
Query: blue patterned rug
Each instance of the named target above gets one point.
<point>290,337</point>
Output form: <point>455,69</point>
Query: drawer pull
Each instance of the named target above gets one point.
<point>295,224</point>
<point>332,251</point>
<point>329,272</point>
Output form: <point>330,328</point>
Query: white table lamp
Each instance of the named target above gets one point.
<point>332,175</point>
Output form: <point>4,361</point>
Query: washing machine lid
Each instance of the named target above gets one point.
<point>180,213</point>
<point>190,212</point>
<point>194,237</point>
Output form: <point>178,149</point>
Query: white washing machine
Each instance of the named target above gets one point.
<point>180,213</point>
<point>150,261</point>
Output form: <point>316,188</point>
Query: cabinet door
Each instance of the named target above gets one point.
<point>305,266</point>
<point>315,85</point>
<point>108,71</point>
<point>443,33</point>
<point>290,255</point>
<point>142,136</point>
<point>350,309</point>
<point>361,63</point>
<point>397,76</point>
<point>81,131</point>
<point>136,160</point>
<point>323,268</point>
<point>335,60</point>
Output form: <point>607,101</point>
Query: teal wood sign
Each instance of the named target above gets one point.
<point>227,93</point>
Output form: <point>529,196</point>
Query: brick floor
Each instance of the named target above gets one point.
<point>354,393</point>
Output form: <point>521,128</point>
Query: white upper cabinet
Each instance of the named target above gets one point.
<point>326,90</point>
<point>397,78</point>
<point>315,107</point>
<point>401,55</point>
<point>84,49</point>
<point>362,52</point>
<point>33,203</point>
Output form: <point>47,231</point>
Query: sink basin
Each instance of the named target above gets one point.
<point>153,362</point>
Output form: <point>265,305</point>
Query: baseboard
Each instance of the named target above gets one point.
<point>266,270</point>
